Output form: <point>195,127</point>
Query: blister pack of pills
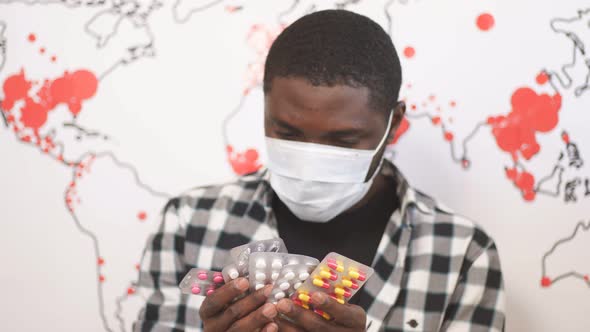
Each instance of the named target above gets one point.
<point>240,256</point>
<point>201,282</point>
<point>338,276</point>
<point>265,268</point>
<point>290,278</point>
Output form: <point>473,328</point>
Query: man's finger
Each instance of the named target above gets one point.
<point>285,326</point>
<point>343,314</point>
<point>271,327</point>
<point>222,296</point>
<point>307,319</point>
<point>245,305</point>
<point>256,319</point>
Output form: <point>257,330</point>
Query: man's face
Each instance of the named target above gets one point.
<point>339,115</point>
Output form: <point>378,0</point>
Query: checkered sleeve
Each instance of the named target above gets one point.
<point>477,303</point>
<point>162,269</point>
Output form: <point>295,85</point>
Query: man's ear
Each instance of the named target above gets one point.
<point>398,114</point>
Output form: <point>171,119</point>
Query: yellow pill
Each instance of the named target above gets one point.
<point>346,283</point>
<point>304,297</point>
<point>354,274</point>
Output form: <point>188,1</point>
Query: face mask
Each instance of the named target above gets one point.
<point>318,182</point>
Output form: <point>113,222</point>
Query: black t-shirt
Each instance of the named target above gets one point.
<point>355,234</point>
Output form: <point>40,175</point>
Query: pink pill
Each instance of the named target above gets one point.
<point>217,279</point>
<point>196,290</point>
<point>202,275</point>
<point>210,291</point>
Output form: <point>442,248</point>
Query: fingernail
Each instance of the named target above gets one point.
<point>318,298</point>
<point>272,327</point>
<point>284,306</point>
<point>269,311</point>
<point>241,284</point>
<point>267,290</point>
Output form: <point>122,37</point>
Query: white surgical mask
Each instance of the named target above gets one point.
<point>318,182</point>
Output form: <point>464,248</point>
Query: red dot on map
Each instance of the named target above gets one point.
<point>436,120</point>
<point>409,52</point>
<point>101,278</point>
<point>137,267</point>
<point>413,107</point>
<point>42,50</point>
<point>449,136</point>
<point>32,37</point>
<point>100,261</point>
<point>466,163</point>
<point>587,277</point>
<point>542,78</point>
<point>485,21</point>
<point>53,58</point>
<point>130,291</point>
<point>453,103</point>
<point>141,215</point>
<point>545,282</point>
<point>565,137</point>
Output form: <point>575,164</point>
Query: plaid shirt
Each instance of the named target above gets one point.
<point>434,270</point>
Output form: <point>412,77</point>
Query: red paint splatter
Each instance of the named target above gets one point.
<point>100,261</point>
<point>142,215</point>
<point>531,113</point>
<point>485,21</point>
<point>243,162</point>
<point>401,130</point>
<point>32,38</point>
<point>70,89</point>
<point>130,291</point>
<point>15,88</point>
<point>542,78</point>
<point>525,181</point>
<point>565,137</point>
<point>449,136</point>
<point>545,282</point>
<point>101,278</point>
<point>409,52</point>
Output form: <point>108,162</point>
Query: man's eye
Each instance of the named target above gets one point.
<point>286,135</point>
<point>346,143</point>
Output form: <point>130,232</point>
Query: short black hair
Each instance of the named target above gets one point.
<point>333,47</point>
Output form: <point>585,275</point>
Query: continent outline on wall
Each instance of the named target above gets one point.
<point>578,47</point>
<point>546,281</point>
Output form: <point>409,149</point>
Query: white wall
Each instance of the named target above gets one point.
<point>162,108</point>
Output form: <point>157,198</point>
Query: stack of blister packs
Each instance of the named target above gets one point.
<point>292,276</point>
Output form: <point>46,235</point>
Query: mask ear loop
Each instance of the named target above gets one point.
<point>383,139</point>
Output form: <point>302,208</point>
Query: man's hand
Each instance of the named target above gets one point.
<point>344,317</point>
<point>247,314</point>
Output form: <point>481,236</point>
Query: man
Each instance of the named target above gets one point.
<point>331,87</point>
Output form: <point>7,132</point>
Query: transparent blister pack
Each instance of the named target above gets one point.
<point>264,268</point>
<point>240,256</point>
<point>338,276</point>
<point>290,278</point>
<point>201,282</point>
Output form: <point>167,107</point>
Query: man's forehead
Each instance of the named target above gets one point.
<point>300,93</point>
